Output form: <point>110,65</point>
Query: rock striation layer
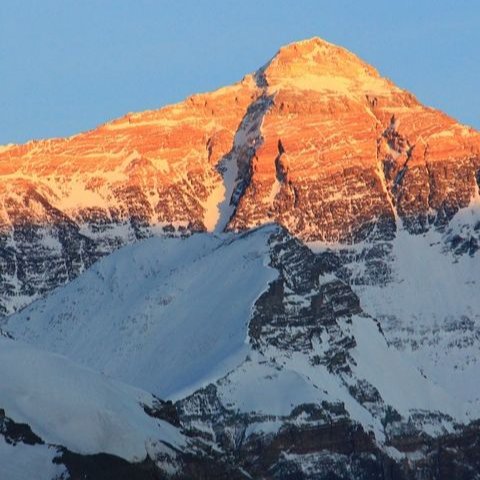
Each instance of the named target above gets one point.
<point>316,140</point>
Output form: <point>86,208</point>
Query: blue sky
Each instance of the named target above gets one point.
<point>69,65</point>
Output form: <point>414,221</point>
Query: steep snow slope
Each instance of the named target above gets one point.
<point>82,410</point>
<point>424,291</point>
<point>21,461</point>
<point>431,311</point>
<point>164,315</point>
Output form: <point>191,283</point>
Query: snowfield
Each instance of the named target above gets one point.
<point>431,312</point>
<point>68,405</point>
<point>430,308</point>
<point>21,461</point>
<point>166,314</point>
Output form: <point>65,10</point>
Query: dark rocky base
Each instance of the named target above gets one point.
<point>341,451</point>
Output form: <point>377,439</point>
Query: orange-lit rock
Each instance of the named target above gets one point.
<point>316,140</point>
<point>342,126</point>
<point>163,157</point>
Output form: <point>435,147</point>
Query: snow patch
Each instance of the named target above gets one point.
<point>22,461</point>
<point>275,190</point>
<point>165,314</point>
<point>69,405</point>
<point>397,378</point>
<point>257,386</point>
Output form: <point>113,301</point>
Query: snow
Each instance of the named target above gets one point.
<point>49,241</point>
<point>264,428</point>
<point>170,315</point>
<point>318,83</point>
<point>275,382</point>
<point>214,215</point>
<point>280,389</point>
<point>333,389</point>
<point>120,231</point>
<point>429,311</point>
<point>466,219</point>
<point>388,195</point>
<point>69,405</point>
<point>425,308</point>
<point>21,461</point>
<point>276,187</point>
<point>316,70</point>
<point>77,196</point>
<point>224,207</point>
<point>6,147</point>
<point>397,378</point>
<point>166,314</point>
<point>443,134</point>
<point>247,137</point>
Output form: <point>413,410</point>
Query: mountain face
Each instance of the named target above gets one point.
<point>296,272</point>
<point>316,140</point>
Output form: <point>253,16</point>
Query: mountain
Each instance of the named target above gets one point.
<point>294,273</point>
<point>315,140</point>
<point>184,302</point>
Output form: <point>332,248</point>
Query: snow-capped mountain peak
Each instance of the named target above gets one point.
<point>290,262</point>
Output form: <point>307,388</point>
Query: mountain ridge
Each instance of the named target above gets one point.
<point>326,164</point>
<point>316,370</point>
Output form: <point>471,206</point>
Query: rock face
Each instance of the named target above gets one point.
<point>316,140</point>
<point>66,202</point>
<point>345,152</point>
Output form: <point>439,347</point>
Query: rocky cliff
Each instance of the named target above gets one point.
<point>316,140</point>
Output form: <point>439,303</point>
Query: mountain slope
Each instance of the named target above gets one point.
<point>423,290</point>
<point>49,404</point>
<point>352,152</point>
<point>161,314</point>
<point>300,349</point>
<point>315,140</point>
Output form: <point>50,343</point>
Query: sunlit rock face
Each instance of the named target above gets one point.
<point>66,202</point>
<point>315,140</point>
<point>154,167</point>
<point>345,150</point>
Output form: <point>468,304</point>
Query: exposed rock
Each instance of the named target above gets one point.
<point>14,432</point>
<point>316,140</point>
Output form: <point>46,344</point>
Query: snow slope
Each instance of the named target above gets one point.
<point>21,461</point>
<point>164,315</point>
<point>75,407</point>
<point>269,385</point>
<point>171,315</point>
<point>429,309</point>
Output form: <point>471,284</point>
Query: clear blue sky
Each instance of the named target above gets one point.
<point>69,65</point>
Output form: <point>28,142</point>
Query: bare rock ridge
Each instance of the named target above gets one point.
<point>316,140</point>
